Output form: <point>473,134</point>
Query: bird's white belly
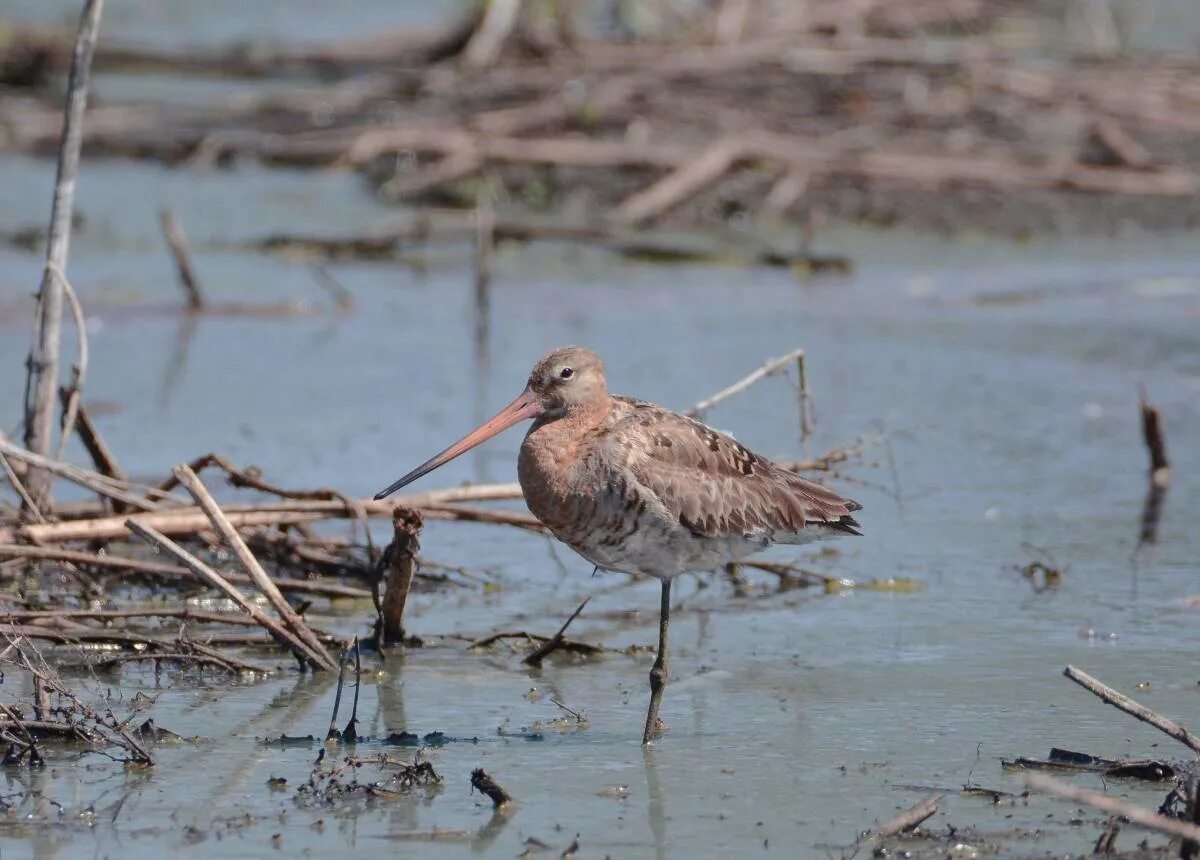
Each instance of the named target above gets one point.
<point>666,552</point>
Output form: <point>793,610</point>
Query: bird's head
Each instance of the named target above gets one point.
<point>562,382</point>
<point>567,379</point>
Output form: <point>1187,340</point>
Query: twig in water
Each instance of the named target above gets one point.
<point>41,381</point>
<point>45,676</point>
<point>102,456</point>
<point>1136,815</point>
<point>290,617</point>
<point>342,297</point>
<point>908,819</point>
<point>350,733</point>
<point>1108,839</point>
<point>579,717</point>
<point>333,734</point>
<point>484,782</point>
<point>805,400</point>
<point>1152,433</point>
<point>35,758</point>
<point>177,243</point>
<point>1160,470</point>
<point>770,367</point>
<point>1134,709</point>
<point>535,657</point>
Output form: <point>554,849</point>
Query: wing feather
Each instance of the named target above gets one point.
<point>715,486</point>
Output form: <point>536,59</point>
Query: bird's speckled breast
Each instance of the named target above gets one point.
<point>555,475</point>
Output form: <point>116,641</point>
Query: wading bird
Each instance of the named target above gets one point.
<point>634,487</point>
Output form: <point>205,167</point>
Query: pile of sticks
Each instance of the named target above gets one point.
<point>745,108</point>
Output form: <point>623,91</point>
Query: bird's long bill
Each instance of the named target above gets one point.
<point>524,407</point>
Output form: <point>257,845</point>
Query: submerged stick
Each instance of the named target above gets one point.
<point>278,631</point>
<point>290,617</point>
<point>535,657</point>
<point>1135,814</point>
<point>1124,703</point>
<point>41,381</point>
<point>177,243</point>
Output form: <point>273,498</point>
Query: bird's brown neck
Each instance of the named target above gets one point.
<point>578,420</point>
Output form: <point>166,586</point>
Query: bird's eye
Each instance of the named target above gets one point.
<point>566,373</point>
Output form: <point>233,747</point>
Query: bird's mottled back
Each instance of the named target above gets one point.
<point>716,485</point>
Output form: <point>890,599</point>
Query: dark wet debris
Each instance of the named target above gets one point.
<point>290,741</point>
<point>1069,761</point>
<point>485,783</point>
<point>343,781</point>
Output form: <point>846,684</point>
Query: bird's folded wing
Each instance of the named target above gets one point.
<point>714,485</point>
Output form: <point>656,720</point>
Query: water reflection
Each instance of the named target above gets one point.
<point>176,366</point>
<point>655,806</point>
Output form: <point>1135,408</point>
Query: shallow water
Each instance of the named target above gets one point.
<point>1002,377</point>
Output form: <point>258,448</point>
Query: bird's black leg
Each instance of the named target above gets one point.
<point>658,673</point>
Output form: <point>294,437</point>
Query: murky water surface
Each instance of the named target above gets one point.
<point>1003,379</point>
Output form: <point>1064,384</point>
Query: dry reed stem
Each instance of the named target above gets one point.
<point>769,367</point>
<point>217,517</point>
<point>161,569</point>
<point>79,371</point>
<point>102,456</point>
<point>93,481</point>
<point>685,181</point>
<point>1135,814</point>
<point>1124,703</point>
<point>908,819</point>
<point>206,573</point>
<point>42,378</point>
